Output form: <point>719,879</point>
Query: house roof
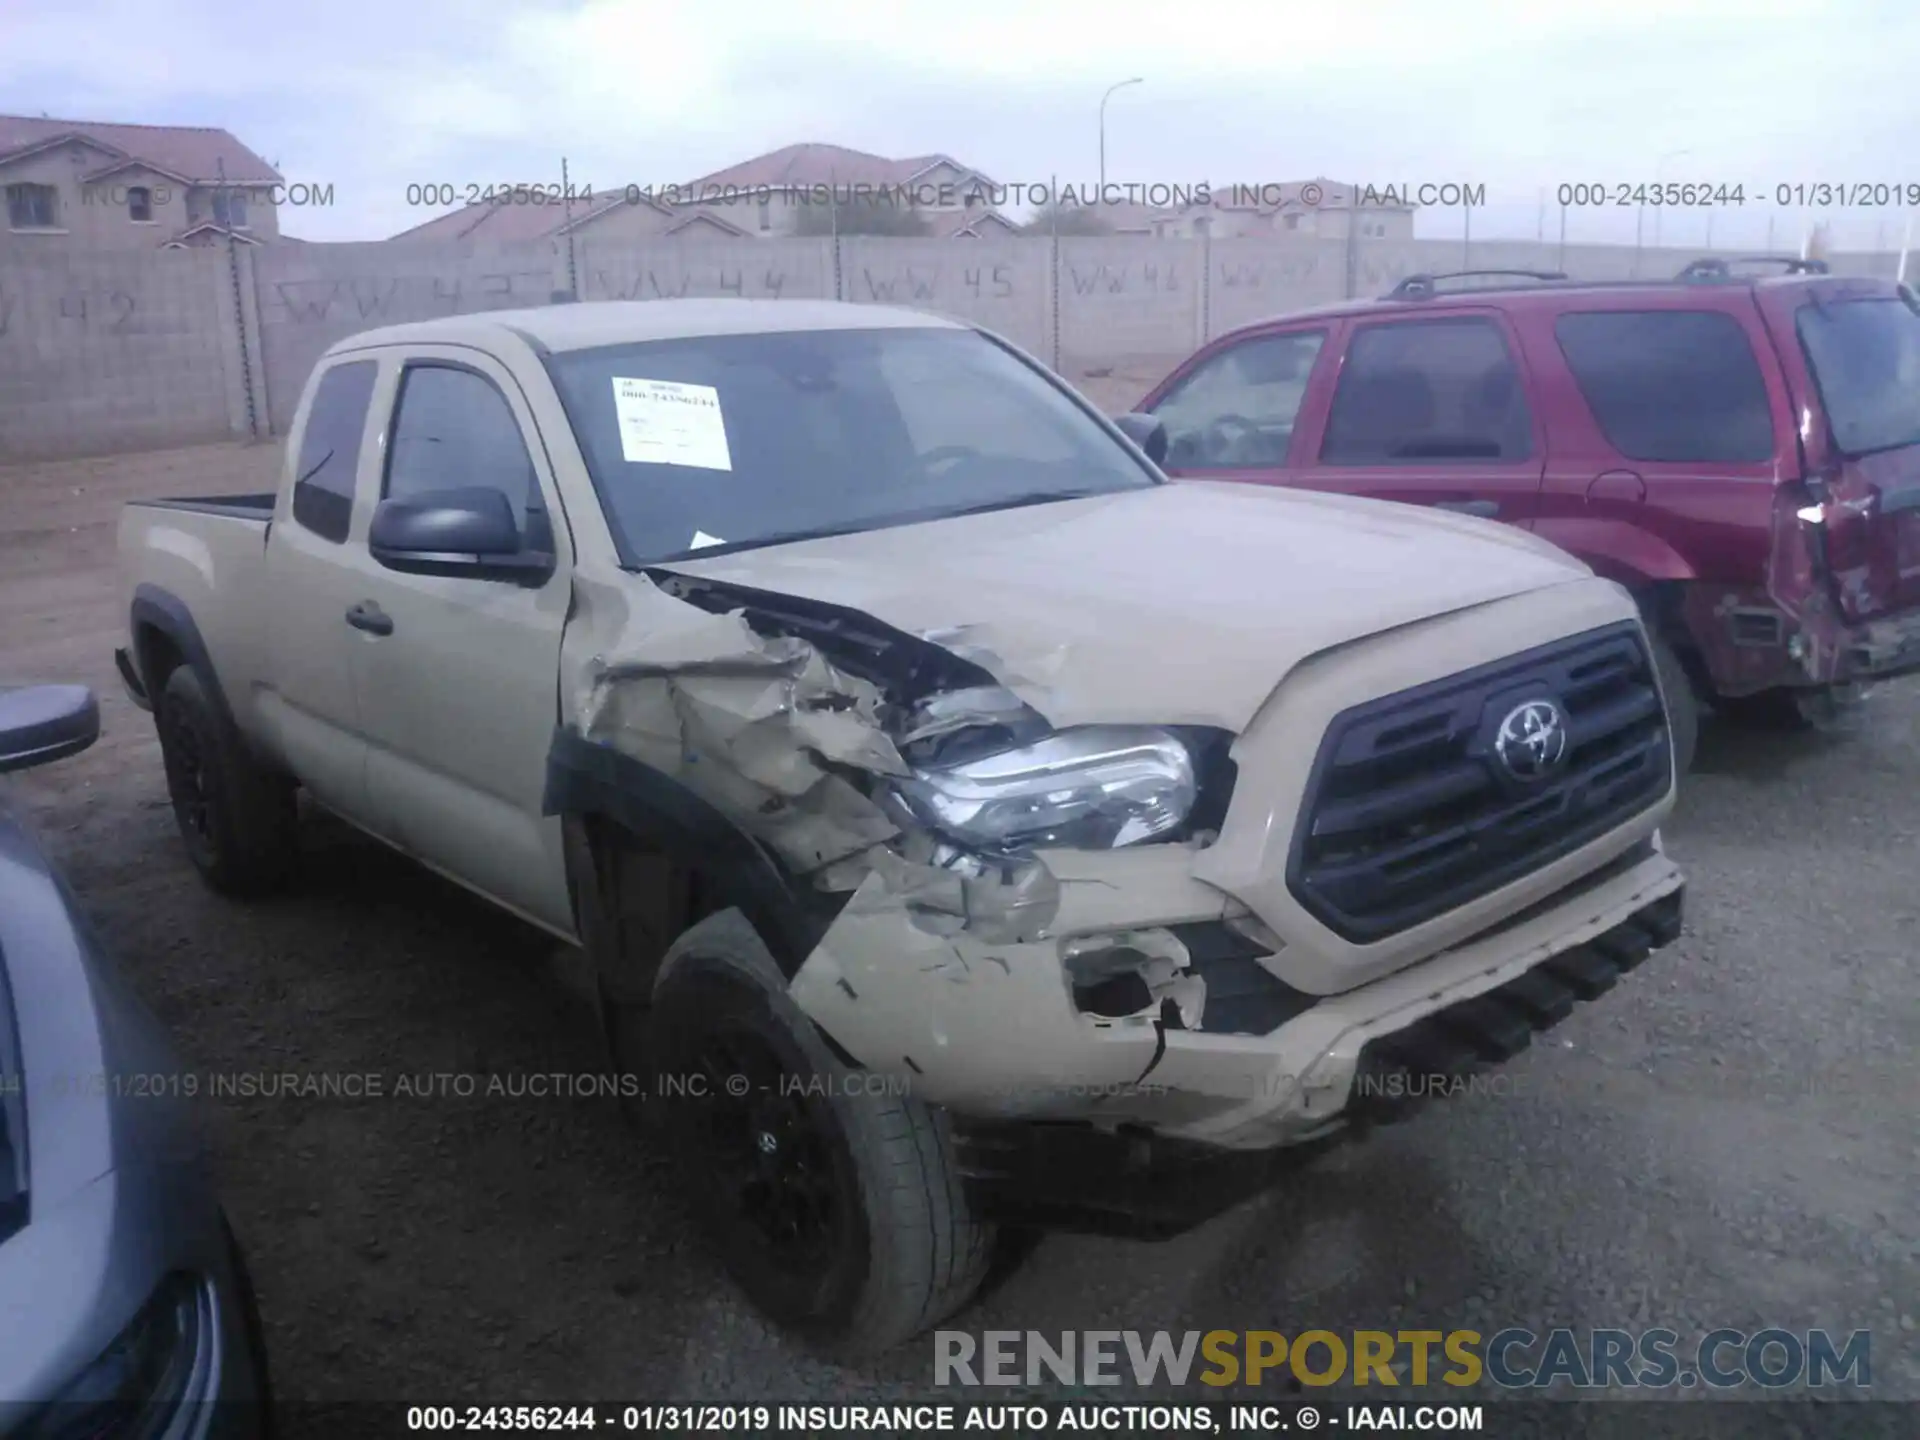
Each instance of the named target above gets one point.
<point>193,153</point>
<point>207,227</point>
<point>709,220</point>
<point>506,223</point>
<point>973,228</point>
<point>133,162</point>
<point>811,163</point>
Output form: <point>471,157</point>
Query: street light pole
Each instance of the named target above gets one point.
<point>1136,80</point>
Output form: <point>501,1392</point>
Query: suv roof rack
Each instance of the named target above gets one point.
<point>1714,267</point>
<point>1425,286</point>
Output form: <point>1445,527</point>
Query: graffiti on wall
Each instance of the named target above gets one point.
<point>382,299</point>
<point>934,284</point>
<point>92,312</point>
<point>681,282</point>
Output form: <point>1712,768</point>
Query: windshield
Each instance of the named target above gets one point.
<point>726,442</point>
<point>1865,356</point>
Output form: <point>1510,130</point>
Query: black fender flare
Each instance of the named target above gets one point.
<point>585,778</point>
<point>157,610</point>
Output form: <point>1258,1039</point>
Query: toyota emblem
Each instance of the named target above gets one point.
<point>1532,740</point>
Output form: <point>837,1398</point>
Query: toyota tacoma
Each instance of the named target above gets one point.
<point>967,826</point>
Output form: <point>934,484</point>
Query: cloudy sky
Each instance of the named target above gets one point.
<point>373,95</point>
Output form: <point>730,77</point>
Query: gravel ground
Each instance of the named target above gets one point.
<point>1727,1139</point>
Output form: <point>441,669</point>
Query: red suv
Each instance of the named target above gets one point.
<point>1740,451</point>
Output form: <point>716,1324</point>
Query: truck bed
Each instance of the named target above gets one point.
<point>195,562</point>
<point>237,507</point>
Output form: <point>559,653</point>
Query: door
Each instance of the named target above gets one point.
<point>1665,437</point>
<point>1432,411</point>
<point>307,691</point>
<point>458,677</point>
<point>1233,415</point>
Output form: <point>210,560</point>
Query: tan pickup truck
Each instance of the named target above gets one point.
<point>967,826</point>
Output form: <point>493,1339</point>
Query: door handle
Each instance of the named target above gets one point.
<point>1485,509</point>
<point>371,618</point>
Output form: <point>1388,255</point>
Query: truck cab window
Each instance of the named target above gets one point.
<point>330,449</point>
<point>452,430</point>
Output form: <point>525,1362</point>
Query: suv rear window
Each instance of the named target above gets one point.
<point>1865,356</point>
<point>1679,385</point>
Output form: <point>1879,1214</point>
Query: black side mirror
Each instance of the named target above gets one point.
<point>468,532</point>
<point>43,723</point>
<point>1146,431</point>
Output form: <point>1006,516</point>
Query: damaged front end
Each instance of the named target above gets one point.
<point>876,776</point>
<point>1006,914</point>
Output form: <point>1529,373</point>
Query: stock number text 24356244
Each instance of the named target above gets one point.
<point>537,192</point>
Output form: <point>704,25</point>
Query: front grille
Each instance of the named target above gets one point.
<point>1412,811</point>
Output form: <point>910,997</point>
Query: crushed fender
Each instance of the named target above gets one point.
<point>776,736</point>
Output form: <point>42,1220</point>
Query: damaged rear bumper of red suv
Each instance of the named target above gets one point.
<point>1750,644</point>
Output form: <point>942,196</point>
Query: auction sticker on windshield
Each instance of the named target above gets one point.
<point>664,422</point>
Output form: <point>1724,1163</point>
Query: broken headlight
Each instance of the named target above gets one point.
<point>1093,787</point>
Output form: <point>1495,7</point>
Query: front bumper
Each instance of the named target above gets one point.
<point>1002,1033</point>
<point>1129,1180</point>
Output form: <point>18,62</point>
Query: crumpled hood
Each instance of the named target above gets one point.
<point>1183,604</point>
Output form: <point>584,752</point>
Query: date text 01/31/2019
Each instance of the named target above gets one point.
<point>1787,194</point>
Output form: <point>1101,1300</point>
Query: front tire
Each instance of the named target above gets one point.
<point>237,819</point>
<point>833,1201</point>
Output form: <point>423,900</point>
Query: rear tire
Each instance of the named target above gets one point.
<point>238,819</point>
<point>1683,707</point>
<point>835,1204</point>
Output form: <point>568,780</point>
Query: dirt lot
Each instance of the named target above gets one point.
<point>1729,1139</point>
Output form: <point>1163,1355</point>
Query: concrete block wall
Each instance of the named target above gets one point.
<point>1127,303</point>
<point>1249,280</point>
<point>1004,285</point>
<point>797,269</point>
<point>309,296</point>
<point>128,351</point>
<point>114,352</point>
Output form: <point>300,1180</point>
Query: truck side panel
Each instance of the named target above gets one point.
<point>196,575</point>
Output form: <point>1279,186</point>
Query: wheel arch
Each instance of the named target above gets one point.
<point>609,799</point>
<point>165,637</point>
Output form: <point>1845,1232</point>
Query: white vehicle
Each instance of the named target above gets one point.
<point>966,824</point>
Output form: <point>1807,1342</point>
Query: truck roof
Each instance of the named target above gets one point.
<point>585,325</point>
